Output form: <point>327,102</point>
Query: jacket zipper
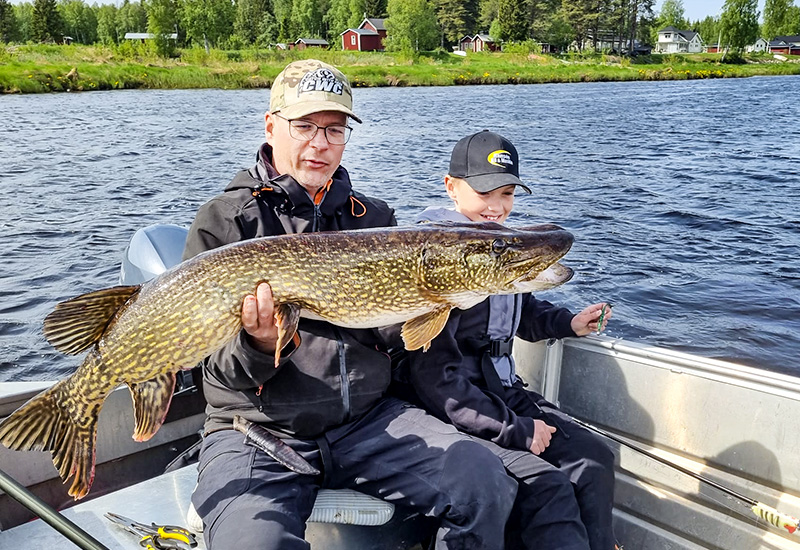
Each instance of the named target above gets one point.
<point>315,222</point>
<point>344,380</point>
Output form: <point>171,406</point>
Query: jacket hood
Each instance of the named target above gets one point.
<point>440,214</point>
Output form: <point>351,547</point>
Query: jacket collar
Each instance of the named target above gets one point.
<point>265,177</point>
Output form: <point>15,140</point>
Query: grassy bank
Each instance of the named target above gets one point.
<point>32,69</point>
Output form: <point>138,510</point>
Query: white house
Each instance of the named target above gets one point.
<point>760,45</point>
<point>672,40</point>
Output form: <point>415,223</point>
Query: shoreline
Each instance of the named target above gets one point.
<point>43,69</point>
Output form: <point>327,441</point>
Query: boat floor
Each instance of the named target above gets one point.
<point>163,500</point>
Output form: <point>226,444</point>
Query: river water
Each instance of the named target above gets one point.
<point>684,197</point>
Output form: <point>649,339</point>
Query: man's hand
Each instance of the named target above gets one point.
<point>542,434</point>
<point>588,320</point>
<point>258,319</point>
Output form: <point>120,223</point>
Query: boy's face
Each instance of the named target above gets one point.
<point>493,206</point>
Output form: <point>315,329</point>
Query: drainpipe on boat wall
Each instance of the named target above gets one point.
<point>57,521</point>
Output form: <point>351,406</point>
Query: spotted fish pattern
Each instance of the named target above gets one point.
<point>142,335</point>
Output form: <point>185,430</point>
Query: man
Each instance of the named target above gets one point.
<point>326,397</point>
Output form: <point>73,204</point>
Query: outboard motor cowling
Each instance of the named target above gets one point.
<point>152,250</point>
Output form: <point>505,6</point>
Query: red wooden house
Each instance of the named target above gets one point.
<point>368,37</point>
<point>789,45</point>
<point>478,43</point>
<point>303,43</point>
<point>484,42</point>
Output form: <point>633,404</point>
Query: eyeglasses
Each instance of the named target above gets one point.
<point>304,130</point>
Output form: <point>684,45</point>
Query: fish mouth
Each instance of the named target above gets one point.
<point>553,244</point>
<point>556,274</point>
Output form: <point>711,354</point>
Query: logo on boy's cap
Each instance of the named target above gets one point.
<point>487,161</point>
<point>311,86</point>
<point>500,158</point>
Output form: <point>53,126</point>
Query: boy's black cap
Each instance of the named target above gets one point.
<point>486,161</point>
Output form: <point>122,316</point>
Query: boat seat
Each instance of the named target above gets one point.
<point>343,506</point>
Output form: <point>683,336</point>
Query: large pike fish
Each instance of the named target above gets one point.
<point>142,335</point>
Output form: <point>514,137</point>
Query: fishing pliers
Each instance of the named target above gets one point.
<point>157,537</point>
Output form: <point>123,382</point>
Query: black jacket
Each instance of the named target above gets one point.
<point>449,378</point>
<point>336,374</point>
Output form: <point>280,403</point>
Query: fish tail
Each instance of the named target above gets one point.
<point>45,424</point>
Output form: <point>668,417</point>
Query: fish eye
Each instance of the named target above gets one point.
<point>499,246</point>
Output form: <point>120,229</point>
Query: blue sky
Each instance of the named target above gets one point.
<point>699,9</point>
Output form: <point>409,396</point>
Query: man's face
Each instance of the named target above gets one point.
<point>494,206</point>
<point>311,163</point>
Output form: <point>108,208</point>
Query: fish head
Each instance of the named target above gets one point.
<point>489,258</point>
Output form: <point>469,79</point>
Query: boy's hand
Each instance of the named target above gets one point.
<point>542,434</point>
<point>588,320</point>
<point>258,319</point>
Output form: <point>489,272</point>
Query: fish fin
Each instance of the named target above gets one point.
<point>151,400</point>
<point>44,424</point>
<point>419,331</point>
<point>77,324</point>
<point>287,316</point>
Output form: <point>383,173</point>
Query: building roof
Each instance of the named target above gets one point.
<point>312,41</point>
<point>687,35</point>
<point>377,23</point>
<point>362,32</point>
<point>146,36</point>
<point>484,37</point>
<point>790,39</point>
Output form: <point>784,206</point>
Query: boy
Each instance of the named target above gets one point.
<point>565,472</point>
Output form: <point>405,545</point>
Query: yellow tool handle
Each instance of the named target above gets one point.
<point>176,533</point>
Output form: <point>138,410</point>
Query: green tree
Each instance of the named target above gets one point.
<point>283,15</point>
<point>267,30</point>
<point>8,22</point>
<point>46,24</point>
<point>249,14</point>
<point>80,21</point>
<point>739,21</point>
<point>487,14</point>
<point>709,29</point>
<point>366,8</point>
<point>207,22</point>
<point>307,18</point>
<point>512,21</point>
<point>162,21</point>
<point>583,16</point>
<point>107,24</point>
<point>411,26</point>
<point>337,20</point>
<point>131,17</point>
<point>793,20</point>
<point>776,18</point>
<point>558,32</point>
<point>540,16</point>
<point>672,15</point>
<point>457,18</point>
<point>23,13</point>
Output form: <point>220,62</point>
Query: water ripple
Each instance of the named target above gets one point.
<point>683,206</point>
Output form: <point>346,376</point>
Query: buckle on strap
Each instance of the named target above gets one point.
<point>500,348</point>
